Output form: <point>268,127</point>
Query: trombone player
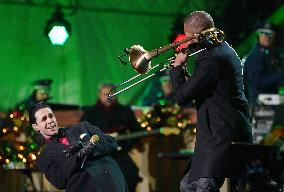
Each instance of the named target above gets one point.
<point>216,85</point>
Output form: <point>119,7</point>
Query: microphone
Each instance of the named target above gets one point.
<point>93,140</point>
<point>83,138</point>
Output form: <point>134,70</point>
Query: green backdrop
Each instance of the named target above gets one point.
<point>88,58</point>
<point>100,32</point>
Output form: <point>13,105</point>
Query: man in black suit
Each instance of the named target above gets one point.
<point>216,86</point>
<point>71,165</point>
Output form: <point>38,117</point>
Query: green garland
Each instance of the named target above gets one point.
<point>17,140</point>
<point>169,115</point>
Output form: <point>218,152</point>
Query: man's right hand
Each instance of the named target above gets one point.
<point>180,59</point>
<point>86,150</point>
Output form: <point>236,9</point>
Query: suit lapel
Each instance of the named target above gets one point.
<point>72,134</point>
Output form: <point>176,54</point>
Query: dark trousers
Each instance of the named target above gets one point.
<point>203,184</point>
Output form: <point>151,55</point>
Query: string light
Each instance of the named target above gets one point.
<point>23,151</point>
<point>164,116</point>
<point>20,156</point>
<point>143,125</point>
<point>15,128</point>
<point>21,148</point>
<point>179,124</point>
<point>4,130</point>
<point>33,146</point>
<point>33,156</point>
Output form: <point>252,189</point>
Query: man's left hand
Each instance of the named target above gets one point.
<point>73,149</point>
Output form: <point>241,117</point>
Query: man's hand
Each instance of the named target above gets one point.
<point>180,59</point>
<point>88,147</point>
<point>86,150</point>
<point>73,149</point>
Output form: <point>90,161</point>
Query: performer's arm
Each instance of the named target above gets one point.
<point>57,174</point>
<point>204,75</point>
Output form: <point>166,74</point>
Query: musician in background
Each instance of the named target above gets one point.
<point>159,92</point>
<point>263,65</point>
<point>222,111</point>
<point>41,93</point>
<point>76,158</point>
<point>112,117</point>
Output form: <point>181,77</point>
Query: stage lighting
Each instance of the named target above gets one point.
<point>57,28</point>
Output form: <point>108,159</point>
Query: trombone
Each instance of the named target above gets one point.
<point>140,59</point>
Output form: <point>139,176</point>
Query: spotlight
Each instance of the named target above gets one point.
<point>57,28</point>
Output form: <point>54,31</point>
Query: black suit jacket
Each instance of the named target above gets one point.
<point>222,112</point>
<point>100,173</point>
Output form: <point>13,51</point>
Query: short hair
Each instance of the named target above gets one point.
<point>34,109</point>
<point>199,21</point>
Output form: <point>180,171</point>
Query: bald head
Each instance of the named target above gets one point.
<point>196,22</point>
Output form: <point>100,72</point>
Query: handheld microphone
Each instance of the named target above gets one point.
<point>84,139</point>
<point>93,140</point>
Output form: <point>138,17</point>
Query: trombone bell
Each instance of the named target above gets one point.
<point>140,59</point>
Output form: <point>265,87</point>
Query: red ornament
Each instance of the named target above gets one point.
<point>180,37</point>
<point>16,114</point>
